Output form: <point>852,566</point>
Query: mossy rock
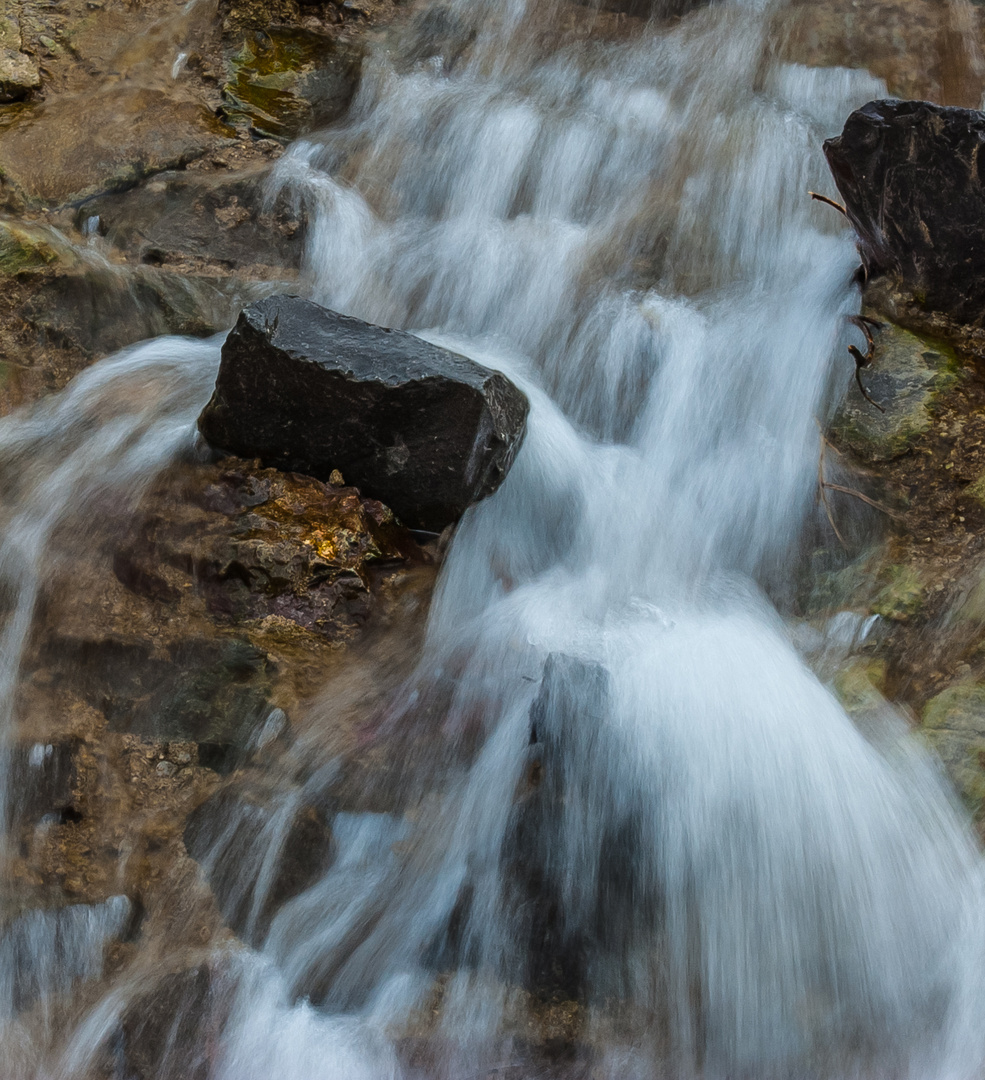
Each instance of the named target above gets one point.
<point>283,82</point>
<point>842,587</point>
<point>901,593</point>
<point>907,377</point>
<point>954,725</point>
<point>25,247</point>
<point>860,685</point>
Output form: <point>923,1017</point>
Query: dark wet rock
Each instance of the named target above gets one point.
<point>217,219</point>
<point>284,81</point>
<point>71,298</point>
<point>569,707</point>
<point>97,310</point>
<point>258,850</point>
<point>565,921</point>
<point>169,1028</point>
<point>911,177</point>
<point>306,389</point>
<point>200,690</point>
<point>43,780</point>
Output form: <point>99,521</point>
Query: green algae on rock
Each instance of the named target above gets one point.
<point>954,725</point>
<point>906,378</point>
<point>901,593</point>
<point>285,81</point>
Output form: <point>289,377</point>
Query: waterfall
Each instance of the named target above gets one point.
<point>622,794</point>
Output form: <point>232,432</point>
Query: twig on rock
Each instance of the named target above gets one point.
<point>827,201</point>
<point>863,322</point>
<point>821,485</point>
<point>865,498</point>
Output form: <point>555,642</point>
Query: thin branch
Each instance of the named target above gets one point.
<point>865,498</point>
<point>827,201</point>
<point>859,364</point>
<point>863,324</point>
<point>821,484</point>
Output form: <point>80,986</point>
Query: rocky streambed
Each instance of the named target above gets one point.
<point>166,724</point>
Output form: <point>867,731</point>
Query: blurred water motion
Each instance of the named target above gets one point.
<point>615,828</point>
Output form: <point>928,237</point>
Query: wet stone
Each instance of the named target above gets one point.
<point>19,75</point>
<point>910,174</point>
<point>221,220</point>
<point>107,140</point>
<point>44,779</point>
<point>258,850</point>
<point>907,377</point>
<point>167,1031</point>
<point>426,431</point>
<point>286,81</point>
<point>953,723</point>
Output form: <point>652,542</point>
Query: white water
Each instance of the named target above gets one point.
<point>742,885</point>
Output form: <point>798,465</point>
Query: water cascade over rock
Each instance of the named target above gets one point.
<point>601,814</point>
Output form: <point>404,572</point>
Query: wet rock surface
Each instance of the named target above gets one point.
<point>284,81</point>
<point>908,379</point>
<point>258,850</point>
<point>65,305</point>
<point>910,175</point>
<point>218,221</point>
<point>104,141</point>
<point>923,49</point>
<point>260,546</point>
<point>306,389</point>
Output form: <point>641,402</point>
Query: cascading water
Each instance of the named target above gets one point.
<point>637,800</point>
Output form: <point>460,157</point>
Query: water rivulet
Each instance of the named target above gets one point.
<point>623,831</point>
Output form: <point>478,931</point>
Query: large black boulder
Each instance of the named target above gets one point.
<point>911,176</point>
<point>308,390</point>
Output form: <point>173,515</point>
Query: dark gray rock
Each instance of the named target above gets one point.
<point>911,176</point>
<point>217,219</point>
<point>258,852</point>
<point>44,776</point>
<point>308,390</point>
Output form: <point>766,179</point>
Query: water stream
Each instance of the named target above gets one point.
<point>639,803</point>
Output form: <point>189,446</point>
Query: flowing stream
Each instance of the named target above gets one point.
<point>640,805</point>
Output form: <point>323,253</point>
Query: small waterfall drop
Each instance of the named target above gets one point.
<point>637,802</point>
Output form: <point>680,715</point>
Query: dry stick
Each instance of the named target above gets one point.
<point>863,322</point>
<point>865,498</point>
<point>827,201</point>
<point>821,484</point>
<point>860,362</point>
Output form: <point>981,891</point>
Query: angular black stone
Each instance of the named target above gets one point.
<point>305,389</point>
<point>911,176</point>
